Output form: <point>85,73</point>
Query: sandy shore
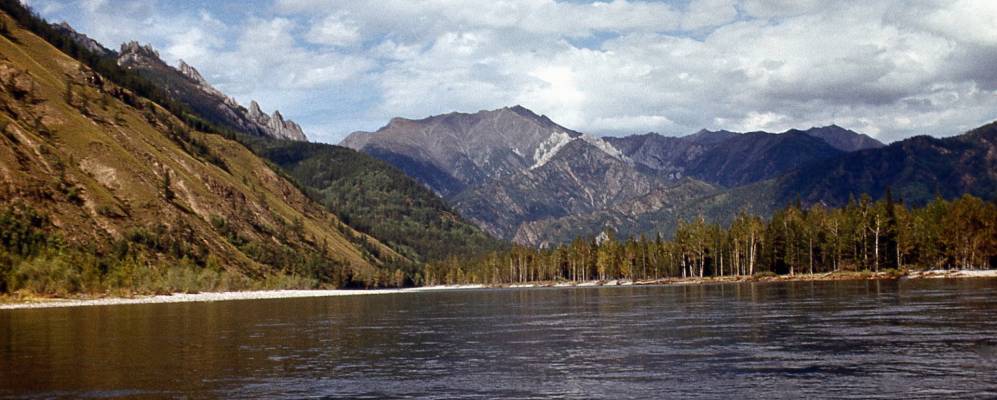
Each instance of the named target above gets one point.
<point>288,294</point>
<point>221,296</point>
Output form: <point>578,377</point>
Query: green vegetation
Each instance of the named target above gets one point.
<point>375,198</point>
<point>883,236</point>
<point>158,260</point>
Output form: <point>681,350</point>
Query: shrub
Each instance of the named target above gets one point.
<point>48,274</point>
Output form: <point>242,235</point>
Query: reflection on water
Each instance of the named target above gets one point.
<point>915,339</point>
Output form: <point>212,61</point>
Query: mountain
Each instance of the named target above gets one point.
<point>580,179</point>
<point>843,139</point>
<point>915,169</point>
<point>186,85</point>
<point>732,159</point>
<point>452,152</point>
<point>522,177</point>
<point>669,156</point>
<point>83,40</point>
<point>121,192</point>
<point>756,156</point>
<point>516,174</point>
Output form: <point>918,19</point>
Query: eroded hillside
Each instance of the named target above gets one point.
<point>117,174</point>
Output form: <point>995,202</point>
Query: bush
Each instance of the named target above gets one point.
<point>48,274</point>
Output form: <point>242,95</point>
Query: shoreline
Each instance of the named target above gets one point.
<point>37,303</point>
<point>204,297</point>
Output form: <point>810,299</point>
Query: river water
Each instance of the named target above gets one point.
<point>857,339</point>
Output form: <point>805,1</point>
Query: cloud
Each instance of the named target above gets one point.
<point>334,30</point>
<point>891,68</point>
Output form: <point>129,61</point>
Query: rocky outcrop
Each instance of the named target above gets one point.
<point>186,84</point>
<point>83,40</point>
<point>277,126</point>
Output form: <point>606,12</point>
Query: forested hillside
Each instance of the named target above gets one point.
<point>374,197</point>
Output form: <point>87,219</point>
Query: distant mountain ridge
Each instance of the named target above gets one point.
<point>189,87</point>
<point>522,177</point>
<point>452,152</point>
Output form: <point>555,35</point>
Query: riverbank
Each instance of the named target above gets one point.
<point>828,276</point>
<point>214,296</point>
<point>34,302</point>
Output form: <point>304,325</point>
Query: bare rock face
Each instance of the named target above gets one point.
<point>189,87</point>
<point>277,126</point>
<point>133,53</point>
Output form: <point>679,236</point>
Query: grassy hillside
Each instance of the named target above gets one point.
<point>376,198</point>
<point>111,191</point>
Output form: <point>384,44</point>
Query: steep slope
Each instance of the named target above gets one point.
<point>366,193</point>
<point>733,159</point>
<point>132,182</point>
<point>580,180</point>
<point>671,157</point>
<point>916,169</point>
<point>376,198</point>
<point>454,151</point>
<point>756,156</point>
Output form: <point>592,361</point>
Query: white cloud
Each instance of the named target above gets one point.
<point>334,30</point>
<point>889,67</point>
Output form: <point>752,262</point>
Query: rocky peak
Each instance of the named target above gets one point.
<point>275,124</point>
<point>133,48</point>
<point>254,111</point>
<point>192,73</point>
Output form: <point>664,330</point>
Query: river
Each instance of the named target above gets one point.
<point>846,339</point>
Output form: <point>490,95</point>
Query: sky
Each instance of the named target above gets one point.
<point>890,69</point>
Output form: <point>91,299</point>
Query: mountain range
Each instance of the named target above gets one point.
<point>522,177</point>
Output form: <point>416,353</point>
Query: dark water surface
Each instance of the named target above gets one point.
<point>913,339</point>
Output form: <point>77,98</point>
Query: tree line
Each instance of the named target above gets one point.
<point>864,235</point>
